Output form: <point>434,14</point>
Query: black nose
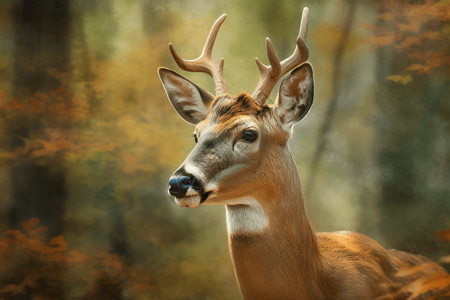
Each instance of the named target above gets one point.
<point>178,185</point>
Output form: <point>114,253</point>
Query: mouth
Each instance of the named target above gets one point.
<point>192,201</point>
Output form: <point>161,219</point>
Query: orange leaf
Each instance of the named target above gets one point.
<point>408,42</point>
<point>143,286</point>
<point>443,235</point>
<point>15,289</point>
<point>60,242</point>
<point>382,41</point>
<point>30,224</point>
<point>16,104</point>
<point>78,257</point>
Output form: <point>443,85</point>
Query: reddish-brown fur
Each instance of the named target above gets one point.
<point>290,261</point>
<point>275,252</point>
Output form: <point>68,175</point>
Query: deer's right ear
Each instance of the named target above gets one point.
<point>189,100</point>
<point>295,96</point>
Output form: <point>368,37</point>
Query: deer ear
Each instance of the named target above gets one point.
<point>295,96</point>
<point>189,100</point>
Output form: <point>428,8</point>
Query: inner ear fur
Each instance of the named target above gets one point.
<point>295,96</point>
<point>189,100</point>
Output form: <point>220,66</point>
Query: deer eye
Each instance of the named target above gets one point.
<point>249,136</point>
<point>195,138</point>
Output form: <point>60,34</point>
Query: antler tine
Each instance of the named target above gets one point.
<point>303,32</point>
<point>269,75</point>
<point>204,62</point>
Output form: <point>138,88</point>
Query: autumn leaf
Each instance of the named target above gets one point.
<point>77,256</point>
<point>9,155</point>
<point>400,79</point>
<point>419,68</point>
<point>408,42</point>
<point>28,264</point>
<point>14,289</point>
<point>33,222</point>
<point>59,242</point>
<point>143,286</point>
<point>16,104</point>
<point>37,232</point>
<point>53,146</point>
<point>413,29</point>
<point>412,25</point>
<point>381,41</point>
<point>387,16</point>
<point>443,235</point>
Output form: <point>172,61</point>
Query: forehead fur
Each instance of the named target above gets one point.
<point>226,110</point>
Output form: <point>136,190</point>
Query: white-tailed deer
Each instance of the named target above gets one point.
<point>241,160</point>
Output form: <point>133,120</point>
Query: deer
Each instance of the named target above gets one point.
<point>241,160</point>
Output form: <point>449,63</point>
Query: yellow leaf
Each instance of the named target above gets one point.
<point>400,79</point>
<point>419,68</point>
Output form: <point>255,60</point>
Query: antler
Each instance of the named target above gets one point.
<point>269,75</point>
<point>204,62</point>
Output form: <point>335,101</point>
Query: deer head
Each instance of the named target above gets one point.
<point>241,141</point>
<point>241,160</point>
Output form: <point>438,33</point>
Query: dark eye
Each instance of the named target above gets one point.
<point>195,138</point>
<point>249,136</point>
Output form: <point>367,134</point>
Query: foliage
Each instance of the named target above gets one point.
<point>418,30</point>
<point>103,122</point>
<point>33,264</point>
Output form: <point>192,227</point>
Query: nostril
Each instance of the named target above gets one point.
<point>178,186</point>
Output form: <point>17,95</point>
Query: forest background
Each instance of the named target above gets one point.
<point>88,138</point>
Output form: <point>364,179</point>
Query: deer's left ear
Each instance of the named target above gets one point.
<point>295,96</point>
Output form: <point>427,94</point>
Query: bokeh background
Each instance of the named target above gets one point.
<point>88,139</point>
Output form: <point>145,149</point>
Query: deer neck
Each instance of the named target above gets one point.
<point>272,244</point>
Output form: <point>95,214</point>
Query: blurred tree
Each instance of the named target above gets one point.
<point>330,113</point>
<point>42,33</point>
<point>412,131</point>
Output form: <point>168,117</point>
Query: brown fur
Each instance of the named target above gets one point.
<point>227,110</point>
<point>288,260</point>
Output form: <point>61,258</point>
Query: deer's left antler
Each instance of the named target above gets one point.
<point>269,75</point>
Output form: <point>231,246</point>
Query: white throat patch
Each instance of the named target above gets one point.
<point>248,217</point>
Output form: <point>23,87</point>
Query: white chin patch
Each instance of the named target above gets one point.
<point>189,201</point>
<point>248,217</point>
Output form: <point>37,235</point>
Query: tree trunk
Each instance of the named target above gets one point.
<point>41,33</point>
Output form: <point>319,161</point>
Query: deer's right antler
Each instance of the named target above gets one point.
<point>204,62</point>
<point>269,75</point>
